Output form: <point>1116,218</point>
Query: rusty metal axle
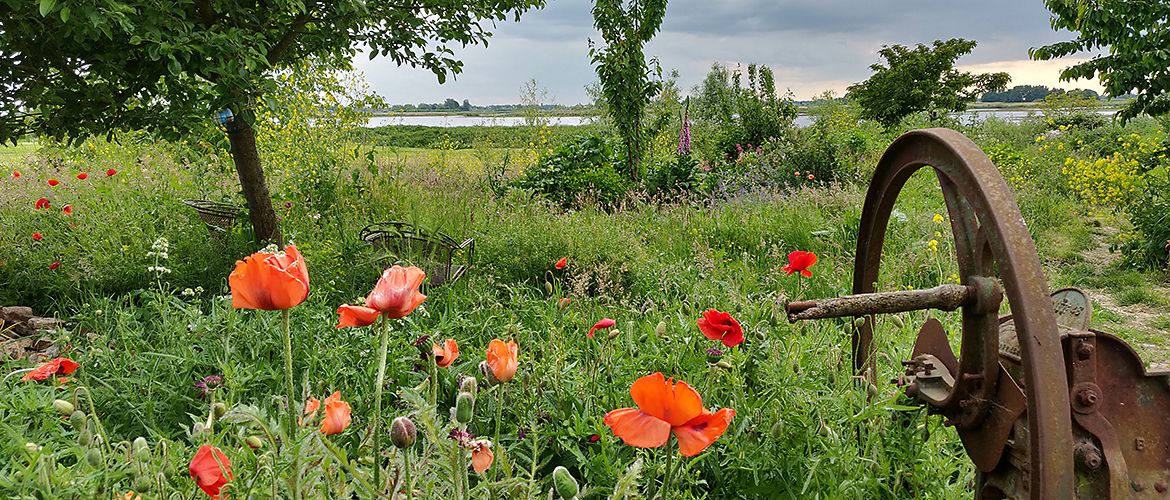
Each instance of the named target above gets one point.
<point>943,298</point>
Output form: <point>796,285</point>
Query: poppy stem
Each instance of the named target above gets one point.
<point>378,382</point>
<point>406,470</point>
<point>667,475</point>
<point>499,417</point>
<point>290,425</point>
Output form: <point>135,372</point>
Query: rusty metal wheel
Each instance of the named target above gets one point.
<point>993,247</point>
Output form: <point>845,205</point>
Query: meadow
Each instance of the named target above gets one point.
<point>167,364</point>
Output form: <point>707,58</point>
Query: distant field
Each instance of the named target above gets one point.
<point>10,154</point>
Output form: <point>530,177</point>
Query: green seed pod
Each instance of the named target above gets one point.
<point>63,407</point>
<point>464,407</point>
<point>141,447</point>
<point>859,322</point>
<point>566,485</point>
<point>254,442</point>
<point>93,457</point>
<point>897,320</point>
<point>488,375</point>
<point>724,365</point>
<point>219,409</point>
<point>77,420</point>
<point>469,385</point>
<point>142,484</point>
<point>660,329</point>
<point>403,432</point>
<point>613,334</point>
<point>548,288</point>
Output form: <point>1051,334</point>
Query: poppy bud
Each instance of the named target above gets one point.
<point>859,322</point>
<point>198,429</point>
<point>488,375</point>
<point>563,303</point>
<point>660,329</point>
<point>219,409</point>
<point>254,442</point>
<point>402,432</point>
<point>469,385</point>
<point>85,437</point>
<point>566,485</point>
<point>613,334</point>
<point>141,447</point>
<point>62,406</point>
<point>548,288</point>
<point>464,407</point>
<point>32,448</point>
<point>714,355</point>
<point>724,365</point>
<point>93,457</point>
<point>77,420</point>
<point>778,429</point>
<point>142,484</point>
<point>897,321</point>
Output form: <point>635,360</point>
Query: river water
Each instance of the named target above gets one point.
<point>975,115</point>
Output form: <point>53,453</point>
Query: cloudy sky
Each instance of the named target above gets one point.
<point>811,45</point>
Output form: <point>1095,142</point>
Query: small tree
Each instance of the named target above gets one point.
<point>922,79</point>
<point>1137,34</point>
<point>627,81</point>
<point>70,69</point>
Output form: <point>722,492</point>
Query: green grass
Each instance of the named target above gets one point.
<point>804,427</point>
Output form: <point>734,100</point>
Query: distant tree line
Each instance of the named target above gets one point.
<point>1033,93</point>
<point>453,105</point>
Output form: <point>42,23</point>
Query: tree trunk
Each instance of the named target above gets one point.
<point>247,160</point>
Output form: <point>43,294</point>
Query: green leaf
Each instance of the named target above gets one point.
<point>65,14</point>
<point>47,7</point>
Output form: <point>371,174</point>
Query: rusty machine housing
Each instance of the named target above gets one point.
<point>1046,407</point>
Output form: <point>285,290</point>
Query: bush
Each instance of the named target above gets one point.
<point>577,170</point>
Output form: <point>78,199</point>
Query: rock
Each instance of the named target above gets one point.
<point>22,333</point>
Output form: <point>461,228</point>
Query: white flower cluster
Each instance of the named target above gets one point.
<point>158,269</point>
<point>159,248</point>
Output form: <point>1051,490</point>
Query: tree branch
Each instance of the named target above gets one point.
<point>281,48</point>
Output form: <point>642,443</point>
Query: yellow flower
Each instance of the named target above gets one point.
<point>938,218</point>
<point>932,245</point>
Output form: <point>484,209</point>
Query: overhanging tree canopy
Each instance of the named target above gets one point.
<point>71,68</point>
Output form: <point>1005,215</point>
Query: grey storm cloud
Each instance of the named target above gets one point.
<point>811,45</point>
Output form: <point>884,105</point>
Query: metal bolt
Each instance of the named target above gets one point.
<point>1161,486</point>
<point>1136,486</point>
<point>1085,350</point>
<point>927,368</point>
<point>1089,455</point>
<point>1087,397</point>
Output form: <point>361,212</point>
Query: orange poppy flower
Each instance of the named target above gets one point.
<point>54,366</point>
<point>67,209</point>
<point>721,326</point>
<point>396,295</point>
<point>481,455</point>
<point>355,316</point>
<point>665,407</point>
<point>311,407</point>
<point>270,281</point>
<point>502,359</point>
<point>15,174</point>
<point>446,353</point>
<point>207,472</point>
<point>561,263</point>
<point>337,414</point>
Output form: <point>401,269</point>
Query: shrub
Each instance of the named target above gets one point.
<point>576,170</point>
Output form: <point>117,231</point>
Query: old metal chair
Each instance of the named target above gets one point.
<point>444,258</point>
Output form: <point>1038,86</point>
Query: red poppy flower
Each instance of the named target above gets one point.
<point>270,281</point>
<point>37,236</point>
<point>445,354</point>
<point>395,295</point>
<point>111,172</point>
<point>604,323</point>
<point>54,265</point>
<point>54,182</point>
<point>561,263</point>
<point>799,262</point>
<point>502,359</point>
<point>67,209</point>
<point>82,176</point>
<point>15,174</point>
<point>337,414</point>
<point>594,438</point>
<point>41,203</point>
<point>721,326</point>
<point>54,366</point>
<point>665,407</point>
<point>211,470</point>
<point>811,177</point>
